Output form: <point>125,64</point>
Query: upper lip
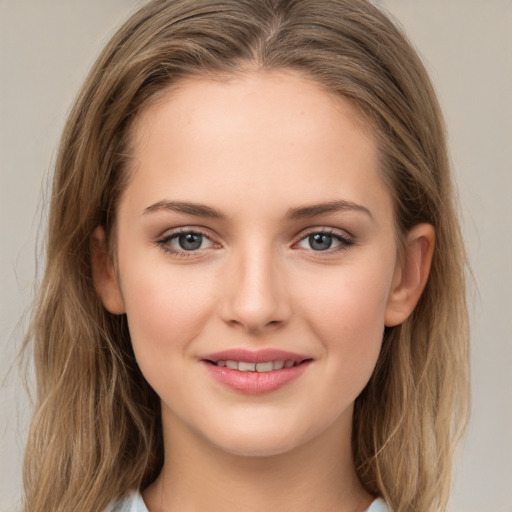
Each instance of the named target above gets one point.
<point>255,356</point>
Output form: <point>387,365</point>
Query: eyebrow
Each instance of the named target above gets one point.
<point>306,212</point>
<point>303,212</point>
<point>195,209</point>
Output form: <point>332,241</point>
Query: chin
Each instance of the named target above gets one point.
<point>263,439</point>
<point>248,446</point>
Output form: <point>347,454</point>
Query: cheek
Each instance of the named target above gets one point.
<point>346,311</point>
<point>348,299</point>
<point>166,308</point>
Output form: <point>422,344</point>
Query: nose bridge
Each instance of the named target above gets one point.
<point>257,298</point>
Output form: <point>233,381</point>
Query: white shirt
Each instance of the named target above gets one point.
<point>135,503</point>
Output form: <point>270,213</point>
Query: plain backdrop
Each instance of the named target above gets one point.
<point>47,46</point>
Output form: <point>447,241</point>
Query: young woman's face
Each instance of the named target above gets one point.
<point>255,234</point>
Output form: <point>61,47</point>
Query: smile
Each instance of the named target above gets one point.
<point>267,366</point>
<point>255,372</point>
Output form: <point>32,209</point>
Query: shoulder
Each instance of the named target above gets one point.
<point>378,505</point>
<point>132,503</point>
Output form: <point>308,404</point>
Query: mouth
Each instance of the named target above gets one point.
<point>263,367</point>
<point>256,372</point>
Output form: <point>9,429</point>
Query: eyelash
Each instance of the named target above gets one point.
<point>345,241</point>
<point>164,243</point>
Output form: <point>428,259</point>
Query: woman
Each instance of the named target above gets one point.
<point>254,294</point>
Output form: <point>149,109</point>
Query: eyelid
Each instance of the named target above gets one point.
<point>327,230</point>
<point>163,241</point>
<point>344,238</point>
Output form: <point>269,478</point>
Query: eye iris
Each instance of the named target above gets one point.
<point>320,241</point>
<point>190,241</point>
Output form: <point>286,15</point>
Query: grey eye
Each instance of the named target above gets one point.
<point>323,241</point>
<point>185,243</point>
<point>320,241</point>
<point>190,241</point>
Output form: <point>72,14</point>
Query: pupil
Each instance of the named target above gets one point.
<point>190,241</point>
<point>320,241</point>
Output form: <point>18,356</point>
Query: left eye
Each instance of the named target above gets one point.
<point>323,241</point>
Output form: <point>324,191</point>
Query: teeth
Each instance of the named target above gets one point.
<point>246,367</point>
<point>266,366</point>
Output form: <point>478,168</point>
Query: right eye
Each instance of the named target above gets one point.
<point>185,242</point>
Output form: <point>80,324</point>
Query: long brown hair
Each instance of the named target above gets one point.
<point>96,431</point>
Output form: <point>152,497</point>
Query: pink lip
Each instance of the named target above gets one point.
<point>255,356</point>
<point>255,383</point>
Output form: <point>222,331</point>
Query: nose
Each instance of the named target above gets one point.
<point>256,299</point>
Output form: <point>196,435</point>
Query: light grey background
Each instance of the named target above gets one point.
<point>46,47</point>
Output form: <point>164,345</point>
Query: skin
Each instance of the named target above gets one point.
<point>254,148</point>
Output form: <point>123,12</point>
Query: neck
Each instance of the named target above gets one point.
<point>316,477</point>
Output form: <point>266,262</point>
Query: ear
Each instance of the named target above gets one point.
<point>103,273</point>
<point>411,274</point>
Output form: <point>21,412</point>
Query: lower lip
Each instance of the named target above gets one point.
<point>255,383</point>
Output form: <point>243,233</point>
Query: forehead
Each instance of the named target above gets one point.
<point>256,133</point>
<point>246,102</point>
